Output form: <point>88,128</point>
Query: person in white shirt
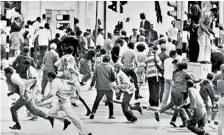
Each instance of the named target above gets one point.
<point>134,37</point>
<point>22,87</point>
<point>125,86</point>
<point>100,38</point>
<point>64,89</point>
<point>172,32</point>
<point>43,20</point>
<point>199,110</point>
<point>141,40</point>
<point>170,46</point>
<point>37,23</point>
<point>168,75</point>
<point>123,48</point>
<point>44,36</point>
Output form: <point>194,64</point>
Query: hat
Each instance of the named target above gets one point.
<point>118,64</point>
<point>134,29</point>
<point>53,46</point>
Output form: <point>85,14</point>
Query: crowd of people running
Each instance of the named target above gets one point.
<point>118,64</point>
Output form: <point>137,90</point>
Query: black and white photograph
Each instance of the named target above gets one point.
<point>112,67</point>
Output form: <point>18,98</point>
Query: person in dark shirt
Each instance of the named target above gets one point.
<point>18,63</point>
<point>71,41</point>
<point>116,50</point>
<point>57,41</point>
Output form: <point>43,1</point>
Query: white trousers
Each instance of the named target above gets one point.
<point>221,115</point>
<point>69,114</point>
<point>204,48</point>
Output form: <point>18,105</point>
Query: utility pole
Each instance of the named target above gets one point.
<point>96,28</point>
<point>105,18</point>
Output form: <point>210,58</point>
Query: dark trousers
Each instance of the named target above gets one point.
<point>198,117</point>
<point>153,91</point>
<point>161,82</point>
<point>99,96</point>
<point>193,47</point>
<point>183,115</point>
<point>132,74</point>
<point>43,49</point>
<point>29,105</point>
<point>86,77</point>
<point>125,107</point>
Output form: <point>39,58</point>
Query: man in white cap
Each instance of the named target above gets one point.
<point>50,58</point>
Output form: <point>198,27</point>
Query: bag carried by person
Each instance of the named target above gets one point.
<point>160,68</point>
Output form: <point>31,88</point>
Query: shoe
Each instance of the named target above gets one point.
<point>139,108</point>
<point>51,121</point>
<point>66,124</point>
<point>91,116</point>
<point>74,104</point>
<point>157,116</point>
<point>173,124</point>
<point>82,83</point>
<point>111,117</point>
<point>106,103</point>
<point>88,113</point>
<point>133,120</point>
<point>182,126</point>
<point>90,134</point>
<point>33,118</point>
<point>139,96</point>
<point>146,108</point>
<point>16,126</point>
<point>216,122</point>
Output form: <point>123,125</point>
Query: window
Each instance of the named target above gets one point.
<point>62,24</point>
<point>61,17</point>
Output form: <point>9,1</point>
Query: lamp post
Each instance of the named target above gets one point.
<point>96,28</point>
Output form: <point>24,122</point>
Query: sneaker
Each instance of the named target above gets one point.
<point>157,115</point>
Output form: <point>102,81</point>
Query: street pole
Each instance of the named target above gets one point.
<point>221,20</point>
<point>96,28</point>
<point>105,18</point>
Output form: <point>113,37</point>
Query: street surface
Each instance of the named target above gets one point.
<point>100,125</point>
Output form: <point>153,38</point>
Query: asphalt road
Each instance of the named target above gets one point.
<point>101,125</point>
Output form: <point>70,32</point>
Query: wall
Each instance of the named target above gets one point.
<point>133,9</point>
<point>33,9</point>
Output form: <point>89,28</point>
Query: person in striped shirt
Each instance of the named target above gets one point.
<point>153,75</point>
